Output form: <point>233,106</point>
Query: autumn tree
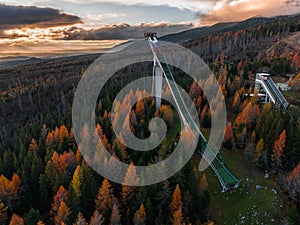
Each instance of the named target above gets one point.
<point>97,219</point>
<point>259,149</point>
<point>127,193</point>
<point>167,114</point>
<point>61,196</point>
<point>80,220</point>
<point>75,194</point>
<point>278,149</point>
<point>140,110</point>
<point>140,216</point>
<point>104,200</point>
<point>3,213</point>
<point>9,190</point>
<point>16,220</point>
<point>293,184</point>
<point>178,217</point>
<point>33,146</point>
<point>62,214</point>
<point>176,200</point>
<point>203,185</point>
<point>236,102</point>
<point>63,139</point>
<point>115,216</point>
<point>228,136</point>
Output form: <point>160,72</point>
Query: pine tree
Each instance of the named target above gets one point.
<point>32,217</point>
<point>140,216</point>
<point>176,200</point>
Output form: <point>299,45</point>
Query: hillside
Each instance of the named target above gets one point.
<point>248,39</point>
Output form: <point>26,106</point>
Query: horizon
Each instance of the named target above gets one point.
<point>96,26</point>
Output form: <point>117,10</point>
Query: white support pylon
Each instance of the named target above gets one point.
<point>157,84</point>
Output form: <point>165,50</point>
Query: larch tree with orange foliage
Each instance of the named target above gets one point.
<point>236,102</point>
<point>61,196</point>
<point>278,149</point>
<point>140,216</point>
<point>62,214</point>
<point>259,149</point>
<point>80,220</point>
<point>178,217</point>
<point>33,146</point>
<point>293,184</point>
<point>16,220</point>
<point>97,219</point>
<point>140,110</point>
<point>167,114</point>
<point>104,200</point>
<point>203,185</point>
<point>3,213</point>
<point>9,190</point>
<point>115,218</point>
<point>176,200</point>
<point>228,137</point>
<point>127,193</point>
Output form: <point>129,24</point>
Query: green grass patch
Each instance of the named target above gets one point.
<point>245,205</point>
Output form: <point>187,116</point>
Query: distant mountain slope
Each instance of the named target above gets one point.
<point>249,39</point>
<point>198,33</point>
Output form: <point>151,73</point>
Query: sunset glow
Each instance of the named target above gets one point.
<point>74,26</point>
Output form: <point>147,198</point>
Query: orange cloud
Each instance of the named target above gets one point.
<point>238,10</point>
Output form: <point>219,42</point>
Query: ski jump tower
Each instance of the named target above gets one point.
<point>264,82</point>
<point>161,70</point>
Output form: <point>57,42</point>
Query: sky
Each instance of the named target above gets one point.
<point>26,25</point>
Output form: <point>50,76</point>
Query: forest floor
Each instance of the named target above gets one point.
<point>249,204</point>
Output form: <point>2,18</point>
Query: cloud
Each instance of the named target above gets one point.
<point>193,5</point>
<point>237,10</point>
<point>125,31</point>
<point>12,17</point>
